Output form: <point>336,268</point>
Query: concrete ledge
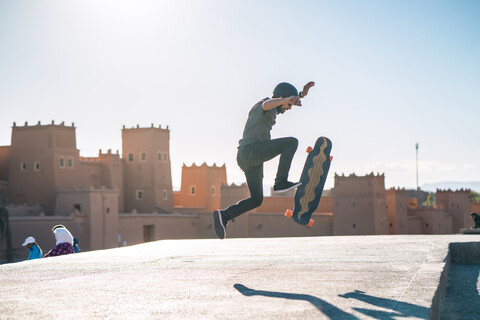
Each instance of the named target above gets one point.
<point>436,308</point>
<point>350,277</point>
<point>465,252</point>
<point>470,231</point>
<point>459,252</point>
<point>459,295</point>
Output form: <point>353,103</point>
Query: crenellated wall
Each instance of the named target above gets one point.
<point>202,186</point>
<point>457,204</point>
<point>397,203</point>
<point>359,205</point>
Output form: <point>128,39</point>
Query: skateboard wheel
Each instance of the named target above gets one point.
<point>309,149</point>
<point>310,223</point>
<point>331,158</point>
<point>288,213</point>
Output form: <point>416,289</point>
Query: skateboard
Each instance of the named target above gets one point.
<point>314,174</point>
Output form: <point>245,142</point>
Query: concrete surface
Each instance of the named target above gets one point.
<point>462,300</point>
<point>351,277</point>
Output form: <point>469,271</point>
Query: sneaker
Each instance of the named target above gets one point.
<point>219,224</point>
<point>285,186</point>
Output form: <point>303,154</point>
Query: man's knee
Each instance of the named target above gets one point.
<point>293,142</point>
<point>257,201</point>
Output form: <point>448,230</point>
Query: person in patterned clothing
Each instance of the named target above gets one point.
<point>64,243</point>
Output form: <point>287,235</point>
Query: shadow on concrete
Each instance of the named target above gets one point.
<point>398,309</point>
<point>462,296</point>
<point>326,308</point>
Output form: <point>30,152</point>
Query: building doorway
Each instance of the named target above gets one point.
<point>148,233</point>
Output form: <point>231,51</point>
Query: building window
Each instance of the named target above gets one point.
<point>62,162</point>
<point>139,194</point>
<point>143,156</point>
<point>193,190</point>
<point>23,166</point>
<point>70,162</point>
<point>130,157</point>
<point>165,195</point>
<point>159,156</point>
<point>36,166</point>
<point>214,191</point>
<point>77,207</point>
<point>107,210</point>
<point>165,156</point>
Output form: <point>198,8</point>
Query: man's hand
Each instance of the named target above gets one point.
<point>294,100</point>
<point>306,87</point>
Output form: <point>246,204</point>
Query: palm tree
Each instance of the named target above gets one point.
<point>431,201</point>
<point>5,232</point>
<point>474,197</point>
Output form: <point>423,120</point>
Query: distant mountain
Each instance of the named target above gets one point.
<point>453,185</point>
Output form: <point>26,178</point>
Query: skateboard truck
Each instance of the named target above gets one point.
<point>289,214</point>
<point>309,149</point>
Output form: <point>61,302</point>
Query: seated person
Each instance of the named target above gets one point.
<point>34,249</point>
<point>476,219</point>
<point>75,245</point>
<point>64,243</point>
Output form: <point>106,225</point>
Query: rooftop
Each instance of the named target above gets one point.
<point>360,277</point>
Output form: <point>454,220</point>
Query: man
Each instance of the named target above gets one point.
<point>476,220</point>
<point>257,147</point>
<point>35,252</point>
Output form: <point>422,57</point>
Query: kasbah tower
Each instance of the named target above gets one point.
<point>43,159</point>
<point>148,178</point>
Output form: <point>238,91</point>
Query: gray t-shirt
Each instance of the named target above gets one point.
<point>259,124</point>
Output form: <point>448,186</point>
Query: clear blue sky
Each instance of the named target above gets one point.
<point>388,74</point>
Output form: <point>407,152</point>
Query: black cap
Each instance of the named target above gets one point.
<point>284,89</point>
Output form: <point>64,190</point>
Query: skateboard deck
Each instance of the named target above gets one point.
<point>314,174</point>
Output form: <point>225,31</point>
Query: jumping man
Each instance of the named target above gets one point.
<point>257,147</point>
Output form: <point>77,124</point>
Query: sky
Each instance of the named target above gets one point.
<point>388,74</point>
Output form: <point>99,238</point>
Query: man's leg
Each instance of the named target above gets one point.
<point>251,159</point>
<point>254,183</point>
<point>267,150</point>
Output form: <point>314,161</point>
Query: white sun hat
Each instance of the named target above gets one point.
<point>28,241</point>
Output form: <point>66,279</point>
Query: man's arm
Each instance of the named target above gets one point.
<point>275,102</point>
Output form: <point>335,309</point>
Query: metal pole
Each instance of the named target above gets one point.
<point>416,147</point>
